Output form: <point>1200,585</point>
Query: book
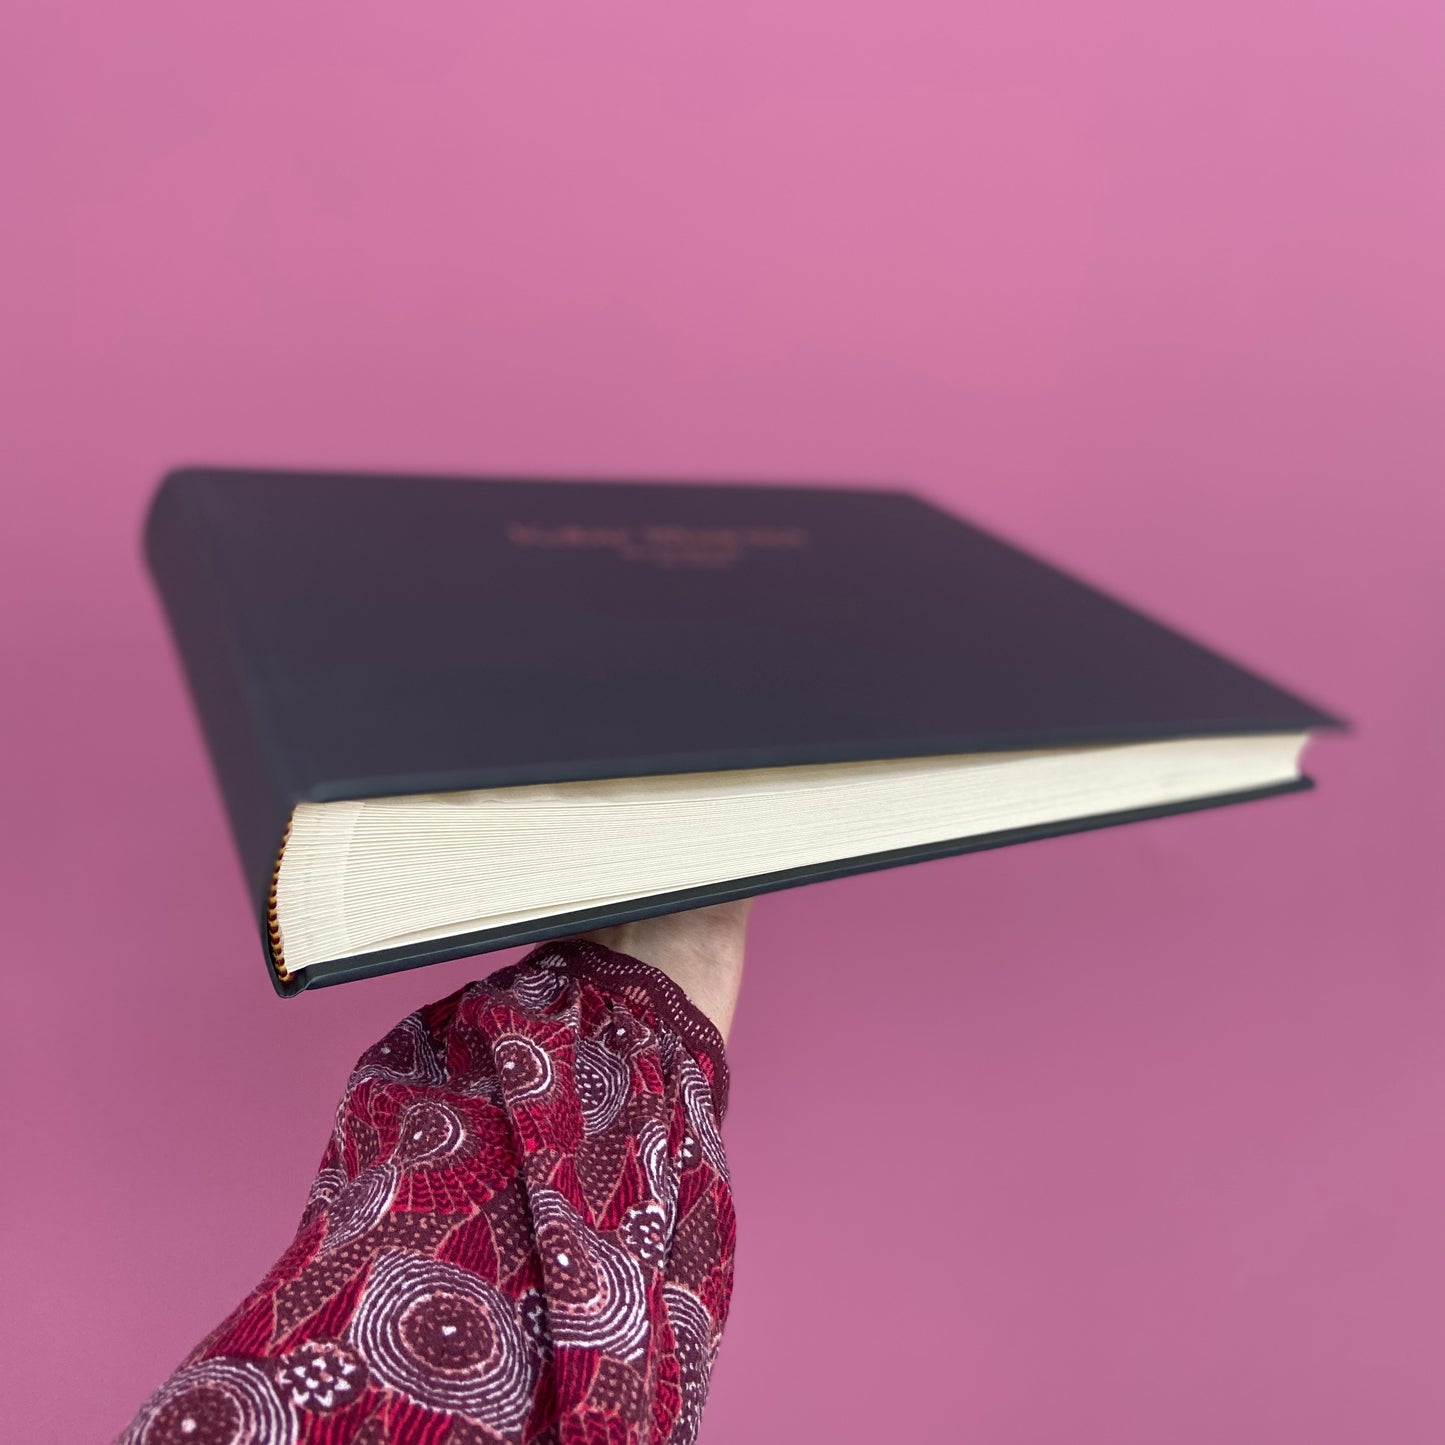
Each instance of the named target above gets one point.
<point>449,715</point>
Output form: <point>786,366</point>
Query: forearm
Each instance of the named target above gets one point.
<point>522,1225</point>
<point>700,950</point>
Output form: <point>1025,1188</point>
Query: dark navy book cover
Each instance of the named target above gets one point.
<point>352,636</point>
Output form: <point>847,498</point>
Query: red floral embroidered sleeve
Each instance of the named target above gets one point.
<point>521,1231</point>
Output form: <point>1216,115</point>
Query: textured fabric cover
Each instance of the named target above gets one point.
<point>521,1230</point>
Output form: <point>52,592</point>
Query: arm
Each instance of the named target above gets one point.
<point>522,1227</point>
<point>701,951</point>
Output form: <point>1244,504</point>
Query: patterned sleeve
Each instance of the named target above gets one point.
<point>521,1231</point>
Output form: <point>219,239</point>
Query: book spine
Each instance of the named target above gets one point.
<point>187,576</point>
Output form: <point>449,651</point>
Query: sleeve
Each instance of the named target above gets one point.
<point>521,1230</point>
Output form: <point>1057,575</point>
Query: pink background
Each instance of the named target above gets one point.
<point>1124,1138</point>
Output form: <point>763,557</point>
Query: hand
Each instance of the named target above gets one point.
<point>700,950</point>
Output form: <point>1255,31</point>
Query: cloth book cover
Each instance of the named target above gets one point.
<point>452,715</point>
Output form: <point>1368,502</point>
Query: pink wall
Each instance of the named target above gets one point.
<point>1127,1138</point>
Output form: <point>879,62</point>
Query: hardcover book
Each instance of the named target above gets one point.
<point>452,715</point>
